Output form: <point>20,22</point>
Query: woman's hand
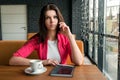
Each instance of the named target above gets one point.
<point>76,55</point>
<point>50,62</point>
<point>64,29</point>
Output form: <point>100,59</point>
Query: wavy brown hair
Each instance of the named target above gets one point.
<point>42,27</point>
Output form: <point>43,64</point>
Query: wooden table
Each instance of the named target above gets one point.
<point>84,72</point>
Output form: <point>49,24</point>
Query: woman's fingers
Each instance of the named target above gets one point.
<point>54,62</point>
<point>51,62</point>
<point>63,26</point>
<point>64,29</point>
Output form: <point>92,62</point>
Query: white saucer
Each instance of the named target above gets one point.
<point>29,71</point>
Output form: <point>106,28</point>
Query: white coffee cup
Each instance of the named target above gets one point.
<point>36,65</point>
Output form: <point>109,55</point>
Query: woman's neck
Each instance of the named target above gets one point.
<point>52,35</point>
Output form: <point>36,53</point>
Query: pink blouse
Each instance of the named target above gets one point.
<point>41,48</point>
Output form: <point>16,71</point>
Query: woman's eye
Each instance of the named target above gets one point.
<point>55,17</point>
<point>46,17</point>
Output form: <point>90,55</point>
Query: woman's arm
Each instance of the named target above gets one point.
<point>19,61</point>
<point>76,54</point>
<point>25,61</point>
<point>20,56</point>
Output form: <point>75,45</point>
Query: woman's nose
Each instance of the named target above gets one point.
<point>52,19</point>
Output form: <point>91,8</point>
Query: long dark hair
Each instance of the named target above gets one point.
<point>42,27</point>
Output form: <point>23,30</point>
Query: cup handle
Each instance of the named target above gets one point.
<point>39,66</point>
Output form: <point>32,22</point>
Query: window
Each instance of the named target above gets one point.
<point>103,35</point>
<point>111,42</point>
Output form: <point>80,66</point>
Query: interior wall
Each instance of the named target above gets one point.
<point>34,8</point>
<point>76,18</point>
<point>0,26</point>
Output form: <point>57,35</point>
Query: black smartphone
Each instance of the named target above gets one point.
<point>58,27</point>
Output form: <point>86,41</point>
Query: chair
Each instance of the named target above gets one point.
<point>81,47</point>
<point>29,35</point>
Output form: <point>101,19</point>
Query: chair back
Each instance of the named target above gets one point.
<point>81,47</point>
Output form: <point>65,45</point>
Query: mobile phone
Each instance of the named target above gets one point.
<point>58,27</point>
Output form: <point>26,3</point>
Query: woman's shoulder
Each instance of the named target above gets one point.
<point>34,39</point>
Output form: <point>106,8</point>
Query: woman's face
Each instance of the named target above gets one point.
<point>51,20</point>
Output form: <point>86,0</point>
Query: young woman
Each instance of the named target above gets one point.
<point>53,43</point>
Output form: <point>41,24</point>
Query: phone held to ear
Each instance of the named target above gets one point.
<point>58,27</point>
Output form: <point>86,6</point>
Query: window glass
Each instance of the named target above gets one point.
<point>96,49</point>
<point>90,44</point>
<point>111,58</point>
<point>111,44</point>
<point>91,14</point>
<point>112,17</point>
<point>96,16</point>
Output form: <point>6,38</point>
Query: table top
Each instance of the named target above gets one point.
<point>83,72</point>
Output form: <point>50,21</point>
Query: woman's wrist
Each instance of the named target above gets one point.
<point>43,62</point>
<point>70,36</point>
